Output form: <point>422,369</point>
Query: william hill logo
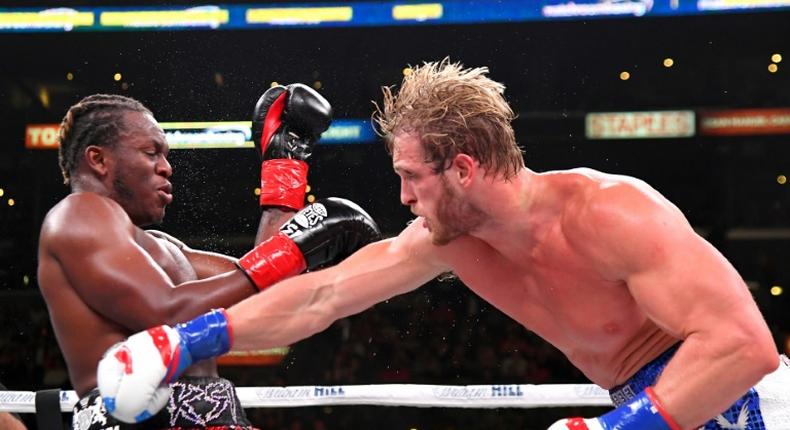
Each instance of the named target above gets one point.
<point>506,391</point>
<point>328,392</point>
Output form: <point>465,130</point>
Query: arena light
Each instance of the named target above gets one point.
<point>11,202</point>
<point>624,76</point>
<point>773,68</point>
<point>43,96</point>
<point>776,58</point>
<point>214,134</point>
<point>745,122</point>
<point>257,191</point>
<point>117,77</point>
<point>417,12</point>
<point>264,357</point>
<point>722,5</point>
<point>2,191</point>
<point>204,16</point>
<point>669,62</point>
<point>578,9</point>
<point>69,76</point>
<point>777,290</point>
<point>54,19</point>
<point>217,134</point>
<point>781,179</point>
<point>310,198</point>
<point>299,15</point>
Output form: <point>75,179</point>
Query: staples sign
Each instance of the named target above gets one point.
<point>42,136</point>
<point>639,125</point>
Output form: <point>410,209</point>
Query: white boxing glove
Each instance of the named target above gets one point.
<point>130,375</point>
<point>133,375</point>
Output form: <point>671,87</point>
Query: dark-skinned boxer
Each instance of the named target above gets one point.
<point>104,277</point>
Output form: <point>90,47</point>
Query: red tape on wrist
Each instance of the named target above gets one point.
<point>661,411</point>
<point>283,183</point>
<point>273,260</point>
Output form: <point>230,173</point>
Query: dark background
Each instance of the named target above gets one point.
<point>555,72</point>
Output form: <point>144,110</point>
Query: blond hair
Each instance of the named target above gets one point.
<point>453,111</point>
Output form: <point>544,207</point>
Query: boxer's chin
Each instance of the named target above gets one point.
<point>441,235</point>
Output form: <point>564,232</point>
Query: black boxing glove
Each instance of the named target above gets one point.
<point>323,233</point>
<point>286,124</point>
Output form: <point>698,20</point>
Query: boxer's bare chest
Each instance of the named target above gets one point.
<point>168,256</point>
<point>558,294</point>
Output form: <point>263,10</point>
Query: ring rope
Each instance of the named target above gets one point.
<point>446,396</point>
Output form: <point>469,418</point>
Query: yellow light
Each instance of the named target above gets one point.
<point>51,18</point>
<point>125,86</point>
<point>781,179</point>
<point>307,188</point>
<point>668,62</point>
<point>317,85</point>
<point>624,76</point>
<point>219,79</point>
<point>2,191</point>
<point>773,68</point>
<point>274,84</point>
<point>257,191</point>
<point>407,71</point>
<point>25,280</point>
<point>299,15</point>
<point>11,202</point>
<point>777,290</point>
<point>310,198</point>
<point>70,76</point>
<point>165,18</point>
<point>776,58</point>
<point>418,12</point>
<point>117,77</point>
<point>43,96</point>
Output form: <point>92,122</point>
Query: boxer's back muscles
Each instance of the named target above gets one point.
<point>104,278</point>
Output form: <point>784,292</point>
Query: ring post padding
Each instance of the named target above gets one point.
<point>47,403</point>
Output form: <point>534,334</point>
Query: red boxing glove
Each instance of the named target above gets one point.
<point>320,234</point>
<point>286,124</point>
<point>273,260</point>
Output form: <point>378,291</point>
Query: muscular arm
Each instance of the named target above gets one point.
<point>208,264</point>
<point>687,288</point>
<point>301,306</point>
<point>93,242</point>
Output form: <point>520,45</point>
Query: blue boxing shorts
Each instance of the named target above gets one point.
<point>766,406</point>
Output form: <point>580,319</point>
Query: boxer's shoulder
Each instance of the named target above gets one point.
<point>84,207</point>
<point>82,216</point>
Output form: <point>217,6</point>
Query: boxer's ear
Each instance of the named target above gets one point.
<point>95,158</point>
<point>465,169</point>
